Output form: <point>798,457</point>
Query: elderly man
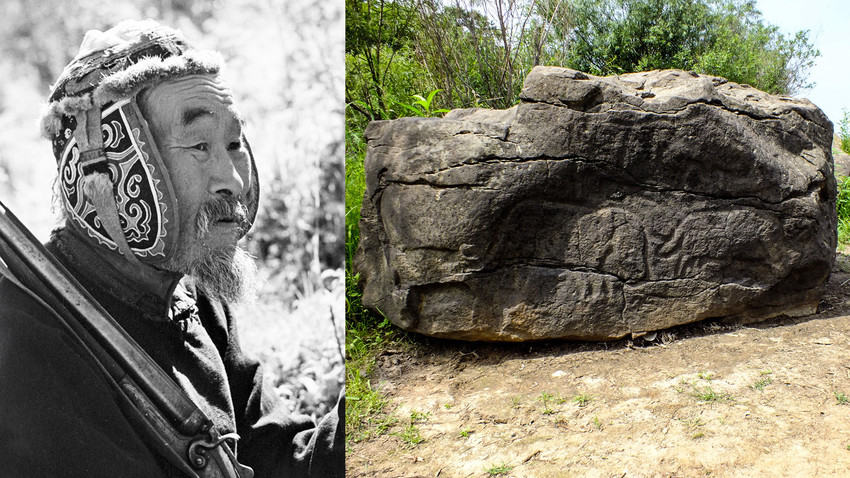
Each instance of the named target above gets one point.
<point>157,184</point>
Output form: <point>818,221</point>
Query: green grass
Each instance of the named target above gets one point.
<point>762,382</point>
<point>419,417</point>
<point>500,469</point>
<point>706,394</point>
<point>368,413</point>
<point>583,399</point>
<point>548,398</point>
<point>841,398</point>
<point>366,409</point>
<point>355,187</point>
<point>410,435</point>
<point>842,204</point>
<point>694,426</point>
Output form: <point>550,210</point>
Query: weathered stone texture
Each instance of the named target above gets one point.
<point>599,207</point>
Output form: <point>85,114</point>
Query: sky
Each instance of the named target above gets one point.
<point>828,22</point>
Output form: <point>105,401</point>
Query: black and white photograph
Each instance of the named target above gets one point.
<point>171,239</point>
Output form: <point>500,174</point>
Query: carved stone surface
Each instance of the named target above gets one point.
<point>599,207</point>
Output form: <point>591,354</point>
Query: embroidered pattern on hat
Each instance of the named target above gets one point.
<point>138,186</point>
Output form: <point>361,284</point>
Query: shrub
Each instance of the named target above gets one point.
<point>842,204</point>
<point>844,131</point>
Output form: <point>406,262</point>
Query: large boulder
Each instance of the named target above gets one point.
<point>599,207</point>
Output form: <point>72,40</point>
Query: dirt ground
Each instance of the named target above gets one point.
<point>706,399</point>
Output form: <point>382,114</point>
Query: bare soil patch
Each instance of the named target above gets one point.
<point>707,399</point>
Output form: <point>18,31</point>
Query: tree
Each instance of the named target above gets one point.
<point>719,37</point>
<point>378,37</point>
<point>619,36</point>
<point>480,52</point>
<point>746,50</point>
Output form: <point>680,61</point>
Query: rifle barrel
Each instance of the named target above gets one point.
<point>34,266</point>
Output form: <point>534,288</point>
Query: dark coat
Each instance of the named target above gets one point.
<point>58,417</point>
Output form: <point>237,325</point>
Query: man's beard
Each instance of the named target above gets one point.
<point>224,273</point>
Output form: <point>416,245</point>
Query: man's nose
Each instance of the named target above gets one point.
<point>224,176</point>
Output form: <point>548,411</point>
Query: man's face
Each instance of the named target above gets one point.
<point>199,135</point>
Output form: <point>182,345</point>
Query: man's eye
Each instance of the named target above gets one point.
<point>201,147</point>
<point>235,146</point>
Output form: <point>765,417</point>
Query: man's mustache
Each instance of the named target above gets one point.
<point>221,209</point>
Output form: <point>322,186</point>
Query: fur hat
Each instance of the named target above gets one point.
<point>113,182</point>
